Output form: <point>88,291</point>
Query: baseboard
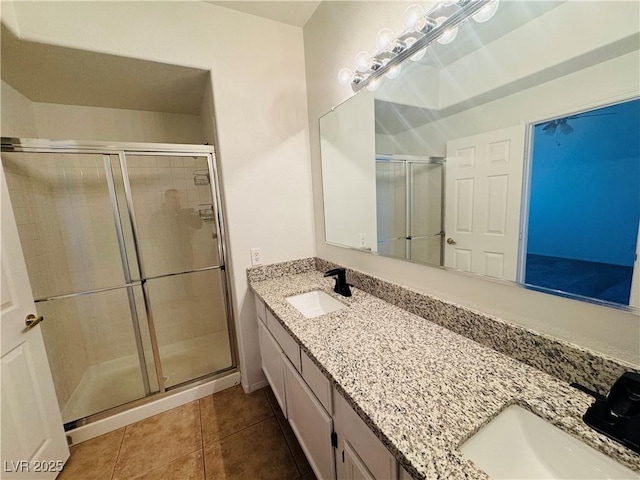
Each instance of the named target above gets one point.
<point>122,419</point>
<point>255,386</point>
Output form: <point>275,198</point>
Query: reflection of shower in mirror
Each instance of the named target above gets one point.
<point>201,177</point>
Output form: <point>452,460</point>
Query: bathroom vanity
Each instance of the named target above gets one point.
<point>373,391</point>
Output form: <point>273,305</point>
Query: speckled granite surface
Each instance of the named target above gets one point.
<point>563,360</point>
<point>422,388</point>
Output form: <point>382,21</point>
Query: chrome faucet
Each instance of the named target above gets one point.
<point>342,287</point>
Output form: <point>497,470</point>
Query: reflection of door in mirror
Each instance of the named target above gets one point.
<point>584,208</point>
<point>482,214</point>
<point>409,207</point>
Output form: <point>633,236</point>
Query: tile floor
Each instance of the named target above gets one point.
<point>228,435</point>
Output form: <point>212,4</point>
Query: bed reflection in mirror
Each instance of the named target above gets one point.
<point>456,162</point>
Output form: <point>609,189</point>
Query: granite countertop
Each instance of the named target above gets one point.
<point>421,388</point>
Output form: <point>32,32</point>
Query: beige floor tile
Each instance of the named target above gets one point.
<point>93,459</point>
<point>257,452</point>
<point>159,440</point>
<point>290,437</point>
<point>189,467</point>
<point>231,410</point>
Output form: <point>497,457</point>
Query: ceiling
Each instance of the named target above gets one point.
<point>52,74</point>
<point>291,12</point>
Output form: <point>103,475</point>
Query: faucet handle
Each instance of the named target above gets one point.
<point>335,271</point>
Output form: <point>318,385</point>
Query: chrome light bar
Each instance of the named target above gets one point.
<point>414,39</point>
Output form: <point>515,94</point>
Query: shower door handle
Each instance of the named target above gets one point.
<point>31,320</point>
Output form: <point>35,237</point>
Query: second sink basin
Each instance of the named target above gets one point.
<point>519,444</point>
<point>315,303</point>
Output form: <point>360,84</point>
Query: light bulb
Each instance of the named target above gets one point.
<point>449,35</point>
<point>416,57</point>
<point>397,46</point>
<point>419,55</point>
<point>412,14</point>
<point>425,24</point>
<point>393,72</point>
<point>362,61</point>
<point>384,38</point>
<point>345,75</point>
<point>373,85</point>
<point>487,12</point>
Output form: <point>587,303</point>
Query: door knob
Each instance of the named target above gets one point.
<point>451,241</point>
<point>31,320</point>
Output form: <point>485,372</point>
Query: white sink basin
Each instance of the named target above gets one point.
<point>315,303</point>
<point>519,444</point>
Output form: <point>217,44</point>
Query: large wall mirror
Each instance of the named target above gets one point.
<point>512,152</point>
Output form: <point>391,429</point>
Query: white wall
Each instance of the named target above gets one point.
<point>261,116</point>
<point>335,33</point>
<point>18,119</point>
<point>75,122</point>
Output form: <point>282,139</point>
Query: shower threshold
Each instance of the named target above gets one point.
<point>117,382</point>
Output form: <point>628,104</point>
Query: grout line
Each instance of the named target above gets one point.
<point>113,470</point>
<point>241,430</point>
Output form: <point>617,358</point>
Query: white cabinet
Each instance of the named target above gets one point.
<point>289,346</point>
<point>352,466</point>
<point>335,440</point>
<point>310,422</point>
<point>317,382</point>
<point>403,474</point>
<point>364,453</point>
<point>272,364</point>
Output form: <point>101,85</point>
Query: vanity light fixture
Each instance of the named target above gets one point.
<point>421,29</point>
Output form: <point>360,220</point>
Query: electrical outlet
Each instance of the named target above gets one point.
<point>363,240</point>
<point>256,256</point>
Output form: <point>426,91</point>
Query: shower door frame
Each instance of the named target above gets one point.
<point>120,149</point>
<point>408,161</point>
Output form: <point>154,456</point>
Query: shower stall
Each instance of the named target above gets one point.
<point>124,246</point>
<point>409,207</point>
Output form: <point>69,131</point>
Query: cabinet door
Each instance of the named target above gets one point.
<point>272,365</point>
<point>372,453</point>
<point>311,424</point>
<point>352,467</point>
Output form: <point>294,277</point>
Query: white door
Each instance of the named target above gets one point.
<point>482,207</point>
<point>353,468</point>
<point>32,443</point>
<point>310,422</point>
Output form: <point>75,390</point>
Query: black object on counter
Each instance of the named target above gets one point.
<point>342,287</point>
<point>618,414</point>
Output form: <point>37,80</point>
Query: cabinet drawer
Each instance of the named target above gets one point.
<point>272,365</point>
<point>289,345</point>
<point>310,423</point>
<point>362,440</point>
<point>317,382</point>
<point>261,309</point>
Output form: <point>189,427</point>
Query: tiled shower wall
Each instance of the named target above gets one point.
<point>33,199</point>
<point>66,227</point>
<point>151,177</point>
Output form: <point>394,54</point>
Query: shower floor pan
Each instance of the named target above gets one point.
<point>116,382</point>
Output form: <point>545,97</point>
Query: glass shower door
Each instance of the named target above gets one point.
<point>425,204</point>
<point>71,237</point>
<point>177,236</point>
<point>391,208</point>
